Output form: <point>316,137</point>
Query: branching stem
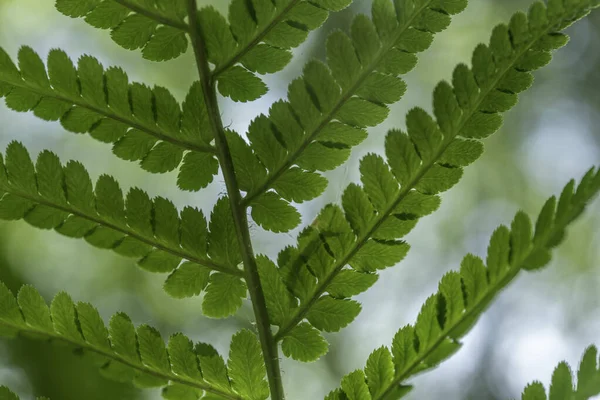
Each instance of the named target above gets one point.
<point>259,305</point>
<point>404,191</point>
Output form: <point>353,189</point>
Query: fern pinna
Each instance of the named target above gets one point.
<point>308,289</point>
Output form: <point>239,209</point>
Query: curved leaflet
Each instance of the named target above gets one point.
<point>52,196</point>
<point>139,355</point>
<point>143,124</point>
<point>329,108</point>
<point>463,296</point>
<point>421,163</point>
<point>155,26</point>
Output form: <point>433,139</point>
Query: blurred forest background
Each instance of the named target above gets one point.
<point>551,136</point>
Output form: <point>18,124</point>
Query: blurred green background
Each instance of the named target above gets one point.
<point>550,137</point>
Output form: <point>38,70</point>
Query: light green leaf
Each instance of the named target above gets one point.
<point>134,32</point>
<point>304,343</point>
<point>123,337</point>
<point>298,186</point>
<point>213,367</point>
<point>197,171</point>
<point>64,319</point>
<point>186,281</point>
<point>222,241</point>
<point>246,366</point>
<point>32,67</point>
<point>159,261</point>
<point>273,213</point>
<point>474,278</point>
<point>379,371</point>
<point>439,179</point>
<point>379,183</point>
<point>248,169</point>
<point>427,326</point>
<point>562,385</point>
<point>241,85</point>
<point>331,315</point>
<point>166,221</point>
<point>166,43</point>
<point>180,392</point>
<point>219,41</point>
<point>193,231</point>
<point>349,283</point>
<point>34,309</point>
<point>279,300</point>
<point>163,157</point>
<point>183,358</point>
<point>224,295</point>
<point>358,208</point>
<point>152,348</point>
<point>534,391</point>
<point>379,254</point>
<point>355,387</point>
<point>461,153</point>
<point>19,168</point>
<point>109,199</point>
<point>520,237</point>
<point>9,309</point>
<point>92,326</point>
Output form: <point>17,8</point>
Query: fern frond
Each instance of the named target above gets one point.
<point>50,196</point>
<point>463,296</point>
<point>329,107</point>
<point>562,386</point>
<point>127,354</point>
<point>156,26</point>
<point>144,124</point>
<point>259,38</point>
<point>427,161</point>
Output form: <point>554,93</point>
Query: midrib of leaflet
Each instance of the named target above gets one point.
<point>380,219</point>
<point>176,252</point>
<point>327,118</point>
<point>256,40</point>
<point>108,114</point>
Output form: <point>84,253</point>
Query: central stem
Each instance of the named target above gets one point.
<point>259,305</point>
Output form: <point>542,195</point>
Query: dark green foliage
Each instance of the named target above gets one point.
<point>153,231</point>
<point>329,108</point>
<point>424,161</point>
<point>138,355</point>
<point>464,295</point>
<point>309,289</point>
<point>143,124</point>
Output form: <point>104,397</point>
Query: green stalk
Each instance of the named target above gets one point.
<point>259,305</point>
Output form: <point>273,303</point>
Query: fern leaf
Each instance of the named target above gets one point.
<point>143,124</point>
<point>258,41</point>
<point>52,196</point>
<point>422,163</point>
<point>562,387</point>
<point>246,366</point>
<point>330,106</point>
<point>133,355</point>
<point>156,27</point>
<point>463,296</point>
